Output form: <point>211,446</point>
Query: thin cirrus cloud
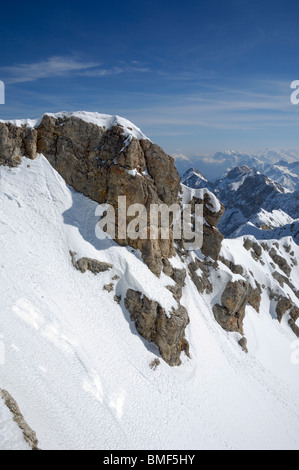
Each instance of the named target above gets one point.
<point>228,109</point>
<point>116,70</point>
<point>62,66</point>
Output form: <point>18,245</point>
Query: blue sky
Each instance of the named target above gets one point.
<point>196,76</point>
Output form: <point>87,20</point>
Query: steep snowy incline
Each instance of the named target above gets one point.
<point>80,372</point>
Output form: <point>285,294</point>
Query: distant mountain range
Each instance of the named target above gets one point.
<point>255,204</point>
<point>280,165</point>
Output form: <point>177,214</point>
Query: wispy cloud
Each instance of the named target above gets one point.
<point>63,66</point>
<point>116,70</point>
<point>51,67</point>
<point>220,108</point>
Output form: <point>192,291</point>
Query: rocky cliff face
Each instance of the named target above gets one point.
<point>102,164</point>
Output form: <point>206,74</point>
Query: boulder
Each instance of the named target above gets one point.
<point>231,313</point>
<point>203,282</point>
<point>210,215</point>
<point>89,264</point>
<point>212,240</point>
<point>152,323</point>
<point>281,262</point>
<point>283,304</point>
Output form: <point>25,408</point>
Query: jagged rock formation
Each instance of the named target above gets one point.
<point>151,321</point>
<point>178,276</point>
<point>255,297</point>
<point>280,261</point>
<point>234,268</point>
<point>231,313</point>
<point>212,237</point>
<point>203,282</point>
<point>88,264</point>
<point>29,434</point>
<point>15,142</point>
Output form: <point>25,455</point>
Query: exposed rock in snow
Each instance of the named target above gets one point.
<point>88,264</point>
<point>28,433</point>
<point>15,142</point>
<point>231,313</point>
<point>152,323</point>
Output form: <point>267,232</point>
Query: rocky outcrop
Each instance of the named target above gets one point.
<point>280,261</point>
<point>255,297</point>
<point>152,323</point>
<point>15,142</point>
<point>29,434</point>
<point>201,282</point>
<point>212,238</point>
<point>89,264</point>
<point>243,344</point>
<point>178,276</point>
<point>211,215</point>
<point>294,315</point>
<point>294,327</point>
<point>235,268</point>
<point>283,304</point>
<point>231,313</point>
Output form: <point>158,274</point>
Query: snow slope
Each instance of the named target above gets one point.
<point>80,372</point>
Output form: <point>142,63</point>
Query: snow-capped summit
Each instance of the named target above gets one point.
<point>194,179</point>
<point>105,121</point>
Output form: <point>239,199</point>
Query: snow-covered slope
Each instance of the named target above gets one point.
<point>80,372</point>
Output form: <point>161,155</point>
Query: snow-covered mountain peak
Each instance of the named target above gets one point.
<point>101,120</point>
